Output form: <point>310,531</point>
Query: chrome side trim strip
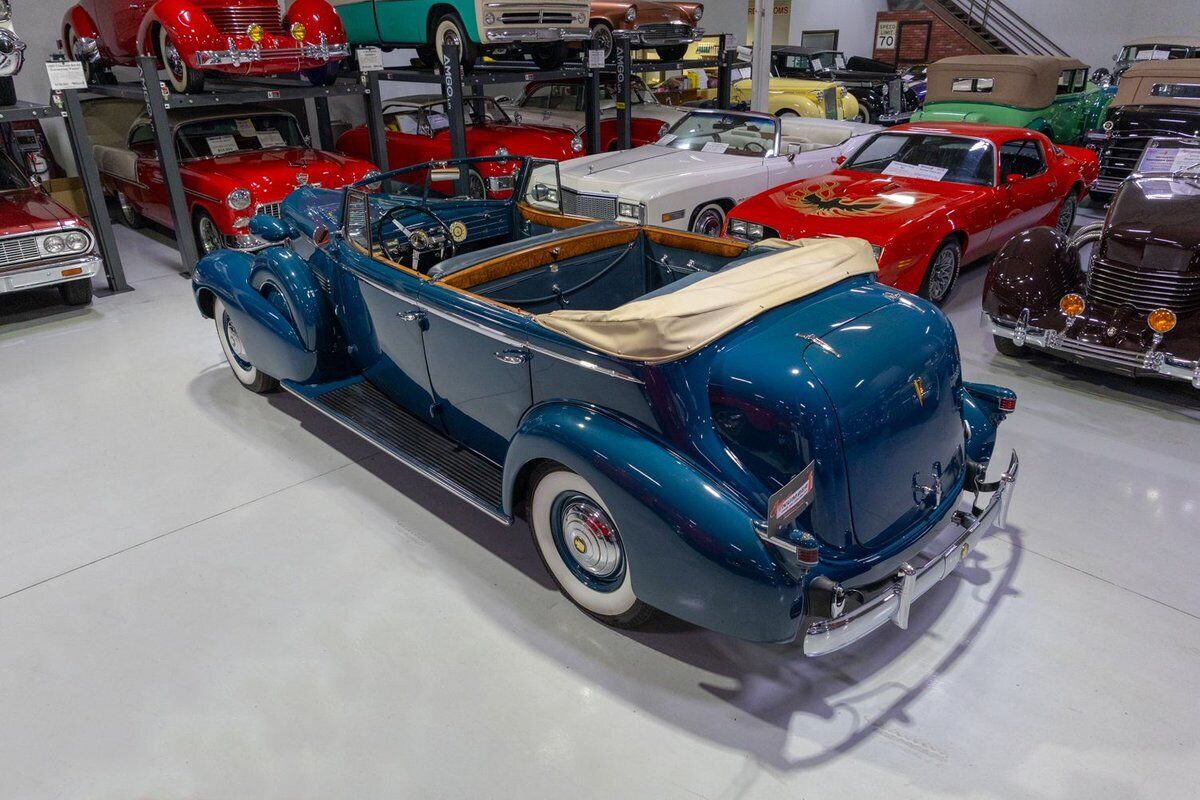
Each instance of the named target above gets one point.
<point>436,477</point>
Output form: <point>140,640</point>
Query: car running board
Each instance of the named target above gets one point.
<point>367,411</point>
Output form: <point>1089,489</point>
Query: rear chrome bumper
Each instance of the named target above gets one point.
<point>235,57</point>
<point>893,604</point>
<point>535,35</point>
<point>1152,362</point>
<point>43,274</point>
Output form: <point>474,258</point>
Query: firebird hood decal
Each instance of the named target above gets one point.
<point>820,198</point>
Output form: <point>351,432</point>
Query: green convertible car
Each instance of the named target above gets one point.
<point>1047,94</point>
<point>477,27</point>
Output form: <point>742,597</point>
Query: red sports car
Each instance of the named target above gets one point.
<point>418,130</point>
<point>929,198</point>
<point>234,163</point>
<point>41,242</point>
<point>192,37</point>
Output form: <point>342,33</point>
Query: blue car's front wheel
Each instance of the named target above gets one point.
<point>247,374</point>
<point>582,549</point>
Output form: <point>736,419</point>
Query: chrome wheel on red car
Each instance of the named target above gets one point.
<point>942,272</point>
<point>182,77</point>
<point>208,236</point>
<point>1066,215</point>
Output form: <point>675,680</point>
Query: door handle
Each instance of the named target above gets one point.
<point>411,316</point>
<point>513,357</point>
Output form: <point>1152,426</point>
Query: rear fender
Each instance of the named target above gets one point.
<point>982,414</point>
<point>189,27</point>
<point>1032,271</point>
<point>691,543</point>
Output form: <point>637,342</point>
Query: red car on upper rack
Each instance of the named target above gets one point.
<point>418,130</point>
<point>929,198</point>
<point>193,37</point>
<point>234,162</point>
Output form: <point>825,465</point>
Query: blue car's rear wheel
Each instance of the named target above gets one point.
<point>582,549</point>
<point>247,374</point>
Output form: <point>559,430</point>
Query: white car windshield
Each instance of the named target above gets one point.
<point>732,134</point>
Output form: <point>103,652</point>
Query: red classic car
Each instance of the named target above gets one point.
<point>929,198</point>
<point>234,163</point>
<point>194,37</point>
<point>667,27</point>
<point>560,103</point>
<point>42,243</point>
<point>418,130</point>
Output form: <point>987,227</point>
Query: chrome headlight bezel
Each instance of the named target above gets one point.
<point>699,13</point>
<point>501,151</point>
<point>77,241</point>
<point>577,144</point>
<point>631,14</point>
<point>631,211</point>
<point>239,199</point>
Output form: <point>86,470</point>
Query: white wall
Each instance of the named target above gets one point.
<point>853,19</point>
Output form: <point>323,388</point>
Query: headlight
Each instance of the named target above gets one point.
<point>5,11</point>
<point>53,244</point>
<point>501,150</point>
<point>298,31</point>
<point>631,14</point>
<point>699,12</point>
<point>76,242</point>
<point>544,194</point>
<point>878,251</point>
<point>754,231</point>
<point>737,227</point>
<point>580,17</point>
<point>238,199</point>
<point>576,145</point>
<point>630,210</point>
<point>371,175</point>
<point>489,18</point>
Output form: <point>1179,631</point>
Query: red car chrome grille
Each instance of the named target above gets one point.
<point>234,20</point>
<point>18,249</point>
<point>1144,289</point>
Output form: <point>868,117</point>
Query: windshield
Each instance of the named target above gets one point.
<point>829,61</point>
<point>569,96</point>
<point>432,117</point>
<point>732,134</point>
<point>12,178</point>
<point>217,137</point>
<point>1152,52</point>
<point>938,158</point>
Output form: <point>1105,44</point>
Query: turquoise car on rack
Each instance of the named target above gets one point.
<point>756,438</point>
<point>497,27</point>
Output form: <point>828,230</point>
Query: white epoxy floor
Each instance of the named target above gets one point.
<point>208,594</point>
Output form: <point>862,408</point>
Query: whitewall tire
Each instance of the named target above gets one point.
<point>235,353</point>
<point>582,548</point>
<point>709,220</point>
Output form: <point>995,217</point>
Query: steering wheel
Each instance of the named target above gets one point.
<point>391,213</point>
<point>755,147</point>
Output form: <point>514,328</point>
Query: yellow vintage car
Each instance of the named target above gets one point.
<point>805,98</point>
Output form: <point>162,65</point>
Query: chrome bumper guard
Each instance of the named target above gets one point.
<point>235,57</point>
<point>1151,362</point>
<point>44,274</point>
<point>640,37</point>
<point>535,35</point>
<point>894,603</point>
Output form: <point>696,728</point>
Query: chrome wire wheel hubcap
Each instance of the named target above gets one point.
<point>602,40</point>
<point>173,60</point>
<point>127,211</point>
<point>1066,216</point>
<point>210,237</point>
<point>942,273</point>
<point>590,541</point>
<point>709,222</point>
<point>450,36</point>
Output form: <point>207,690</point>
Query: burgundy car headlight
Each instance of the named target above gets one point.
<point>699,13</point>
<point>631,14</point>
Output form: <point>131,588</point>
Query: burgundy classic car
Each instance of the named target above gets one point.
<point>41,242</point>
<point>418,130</point>
<point>668,28</point>
<point>1135,310</point>
<point>234,163</point>
<point>193,37</point>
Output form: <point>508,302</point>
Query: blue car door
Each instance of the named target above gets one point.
<point>478,368</point>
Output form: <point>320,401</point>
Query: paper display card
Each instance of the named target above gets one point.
<point>271,139</point>
<point>666,139</point>
<point>245,128</point>
<point>595,59</point>
<point>714,147</point>
<point>902,170</point>
<point>1167,158</point>
<point>66,75</point>
<point>370,59</point>
<point>220,145</point>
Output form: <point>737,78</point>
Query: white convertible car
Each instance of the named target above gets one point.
<point>703,166</point>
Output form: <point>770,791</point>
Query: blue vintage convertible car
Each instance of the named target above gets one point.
<point>759,439</point>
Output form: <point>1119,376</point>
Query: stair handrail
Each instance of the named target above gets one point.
<point>1008,26</point>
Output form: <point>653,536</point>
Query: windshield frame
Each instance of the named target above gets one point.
<point>775,122</point>
<point>848,165</point>
<point>7,162</point>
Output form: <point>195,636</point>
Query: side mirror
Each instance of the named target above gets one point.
<point>1013,178</point>
<point>503,99</point>
<point>272,229</point>
<point>791,157</point>
<point>444,174</point>
<point>320,236</point>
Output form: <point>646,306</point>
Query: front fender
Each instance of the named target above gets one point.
<point>79,21</point>
<point>318,17</point>
<point>281,269</point>
<point>801,105</point>
<point>1033,270</point>
<point>692,547</point>
<point>189,27</point>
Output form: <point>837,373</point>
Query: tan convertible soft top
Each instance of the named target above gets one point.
<point>673,325</point>
<point>1020,81</point>
<point>1138,82</point>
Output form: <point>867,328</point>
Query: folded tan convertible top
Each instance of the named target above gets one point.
<point>679,323</point>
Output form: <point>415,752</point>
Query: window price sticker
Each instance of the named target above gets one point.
<point>66,75</point>
<point>666,139</point>
<point>714,147</point>
<point>1168,156</point>
<point>270,139</point>
<point>924,171</point>
<point>370,59</point>
<point>220,145</point>
<point>245,128</point>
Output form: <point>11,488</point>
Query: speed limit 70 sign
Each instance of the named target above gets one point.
<point>885,34</point>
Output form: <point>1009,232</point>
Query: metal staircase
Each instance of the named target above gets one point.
<point>993,27</point>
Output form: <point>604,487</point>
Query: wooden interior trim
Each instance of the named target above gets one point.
<point>382,259</point>
<point>540,256</point>
<point>551,220</point>
<point>726,248</point>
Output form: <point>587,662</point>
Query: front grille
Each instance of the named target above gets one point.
<point>1115,284</point>
<point>271,210</point>
<point>18,249</point>
<point>536,18</point>
<point>829,101</point>
<point>664,32</point>
<point>596,206</point>
<point>1118,160</point>
<point>1127,358</point>
<point>234,20</point>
